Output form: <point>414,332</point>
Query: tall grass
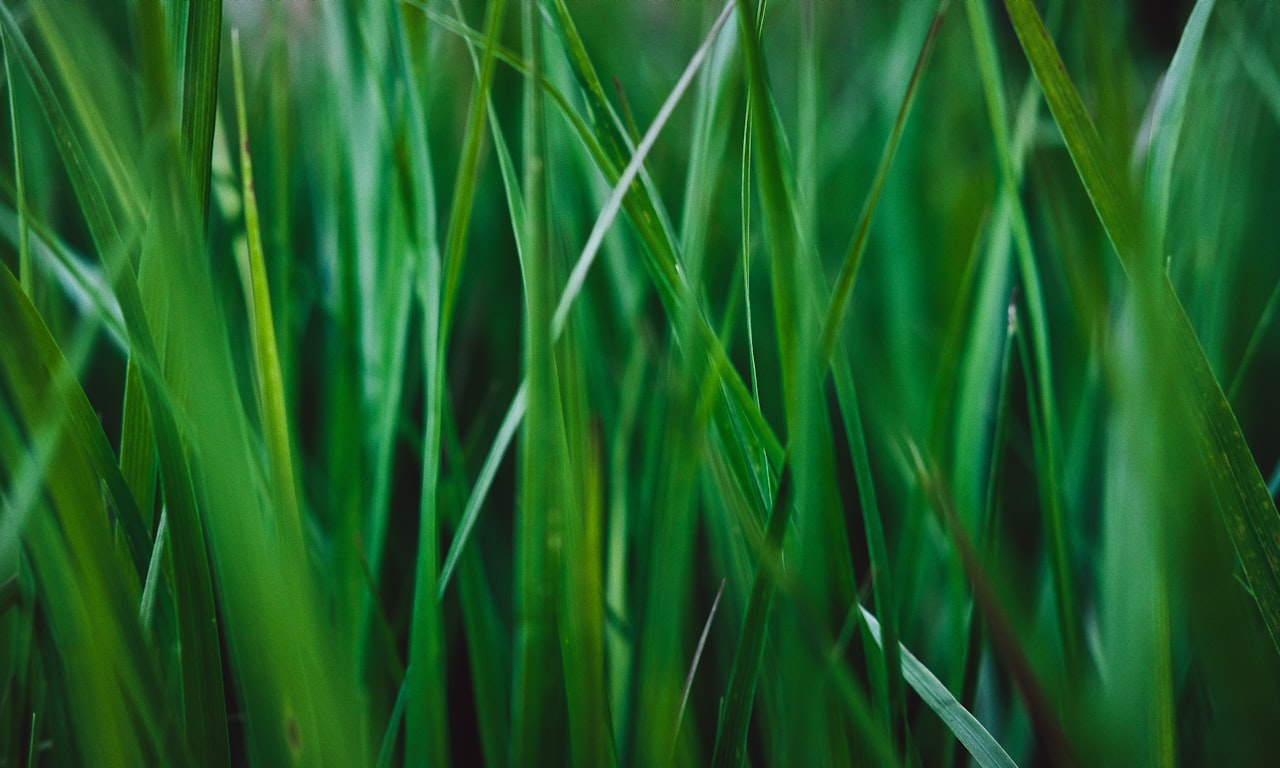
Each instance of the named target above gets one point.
<point>559,382</point>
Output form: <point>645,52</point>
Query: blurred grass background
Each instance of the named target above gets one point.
<point>433,382</point>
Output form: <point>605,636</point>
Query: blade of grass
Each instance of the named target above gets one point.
<point>19,180</point>
<point>535,702</point>
<point>980,743</point>
<point>573,287</point>
<point>271,403</point>
<point>1048,446</point>
<point>1249,512</point>
<point>200,93</point>
<point>731,736</point>
<point>80,415</point>
<point>204,713</point>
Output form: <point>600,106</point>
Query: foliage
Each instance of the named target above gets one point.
<point>434,381</point>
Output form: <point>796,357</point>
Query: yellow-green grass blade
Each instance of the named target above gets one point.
<point>1248,509</point>
<point>271,402</point>
<point>26,323</point>
<point>204,710</point>
<point>468,169</point>
<point>86,600</point>
<point>581,599</point>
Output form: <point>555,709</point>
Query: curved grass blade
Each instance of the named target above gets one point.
<point>1249,512</point>
<point>980,743</point>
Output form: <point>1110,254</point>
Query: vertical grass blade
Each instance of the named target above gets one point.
<point>200,93</point>
<point>271,403</point>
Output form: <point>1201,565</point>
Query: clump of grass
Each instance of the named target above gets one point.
<point>437,382</point>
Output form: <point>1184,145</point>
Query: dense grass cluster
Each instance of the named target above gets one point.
<point>547,382</point>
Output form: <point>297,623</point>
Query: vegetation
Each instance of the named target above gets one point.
<point>639,383</point>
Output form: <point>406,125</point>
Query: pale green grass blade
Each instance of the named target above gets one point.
<point>271,402</point>
<point>697,657</point>
<point>387,752</point>
<point>986,751</point>
<point>1249,511</point>
<point>19,180</point>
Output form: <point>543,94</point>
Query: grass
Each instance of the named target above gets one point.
<point>442,382</point>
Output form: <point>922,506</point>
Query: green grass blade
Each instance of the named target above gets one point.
<point>1048,446</point>
<point>270,381</point>
<point>573,288</point>
<point>19,179</point>
<point>204,712</point>
<point>843,287</point>
<point>84,423</point>
<point>1249,511</point>
<point>984,748</point>
<point>731,736</point>
<point>536,704</point>
<point>200,93</point>
<point>1165,128</point>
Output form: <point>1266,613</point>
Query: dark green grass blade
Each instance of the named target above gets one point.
<point>1249,511</point>
<point>843,287</point>
<point>894,704</point>
<point>731,736</point>
<point>1048,445</point>
<point>200,93</point>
